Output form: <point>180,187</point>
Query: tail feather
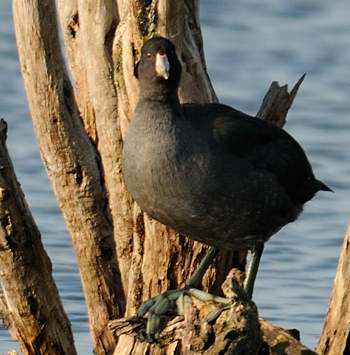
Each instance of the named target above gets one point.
<point>308,190</point>
<point>322,186</point>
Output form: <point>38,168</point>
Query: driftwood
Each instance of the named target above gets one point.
<point>34,312</point>
<point>335,336</point>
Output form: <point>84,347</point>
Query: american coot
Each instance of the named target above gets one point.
<point>211,172</point>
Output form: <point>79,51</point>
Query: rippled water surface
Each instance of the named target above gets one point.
<point>248,44</point>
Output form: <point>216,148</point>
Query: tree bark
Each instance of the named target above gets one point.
<point>72,163</point>
<point>30,299</point>
<point>91,42</point>
<point>335,336</point>
<point>280,341</point>
<point>277,102</point>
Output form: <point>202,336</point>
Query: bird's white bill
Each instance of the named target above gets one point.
<point>162,66</point>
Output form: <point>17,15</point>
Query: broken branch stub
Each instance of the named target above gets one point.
<point>277,102</point>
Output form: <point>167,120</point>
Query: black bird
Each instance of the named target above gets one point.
<point>211,172</point>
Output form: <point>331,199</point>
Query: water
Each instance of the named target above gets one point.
<point>248,44</point>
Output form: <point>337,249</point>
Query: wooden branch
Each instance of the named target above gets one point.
<point>277,102</point>
<point>72,163</point>
<point>280,341</point>
<point>70,23</point>
<point>34,309</point>
<point>96,46</point>
<point>335,336</point>
<point>5,318</point>
<point>90,60</point>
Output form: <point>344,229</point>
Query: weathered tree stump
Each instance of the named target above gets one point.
<point>29,302</point>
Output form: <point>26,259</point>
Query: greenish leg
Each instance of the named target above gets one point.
<point>156,307</point>
<point>196,279</point>
<point>253,269</point>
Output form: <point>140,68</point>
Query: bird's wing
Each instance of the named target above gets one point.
<point>233,130</point>
<point>265,146</point>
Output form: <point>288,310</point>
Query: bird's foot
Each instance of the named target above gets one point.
<point>156,309</point>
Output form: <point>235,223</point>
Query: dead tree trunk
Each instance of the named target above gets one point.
<point>34,312</point>
<point>335,336</point>
<point>71,161</point>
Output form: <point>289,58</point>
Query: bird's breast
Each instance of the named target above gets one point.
<point>162,175</point>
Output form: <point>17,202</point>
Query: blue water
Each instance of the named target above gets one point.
<point>248,44</point>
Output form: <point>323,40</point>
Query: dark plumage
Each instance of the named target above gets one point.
<point>220,176</point>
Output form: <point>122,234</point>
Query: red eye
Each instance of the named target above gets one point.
<point>161,51</point>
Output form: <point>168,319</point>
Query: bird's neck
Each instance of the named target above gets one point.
<point>162,104</point>
<point>159,91</point>
<point>161,113</point>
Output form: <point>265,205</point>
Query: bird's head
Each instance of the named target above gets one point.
<point>159,64</point>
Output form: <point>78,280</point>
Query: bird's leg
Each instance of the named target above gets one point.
<point>155,308</point>
<point>248,282</point>
<point>196,279</point>
<point>253,269</point>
